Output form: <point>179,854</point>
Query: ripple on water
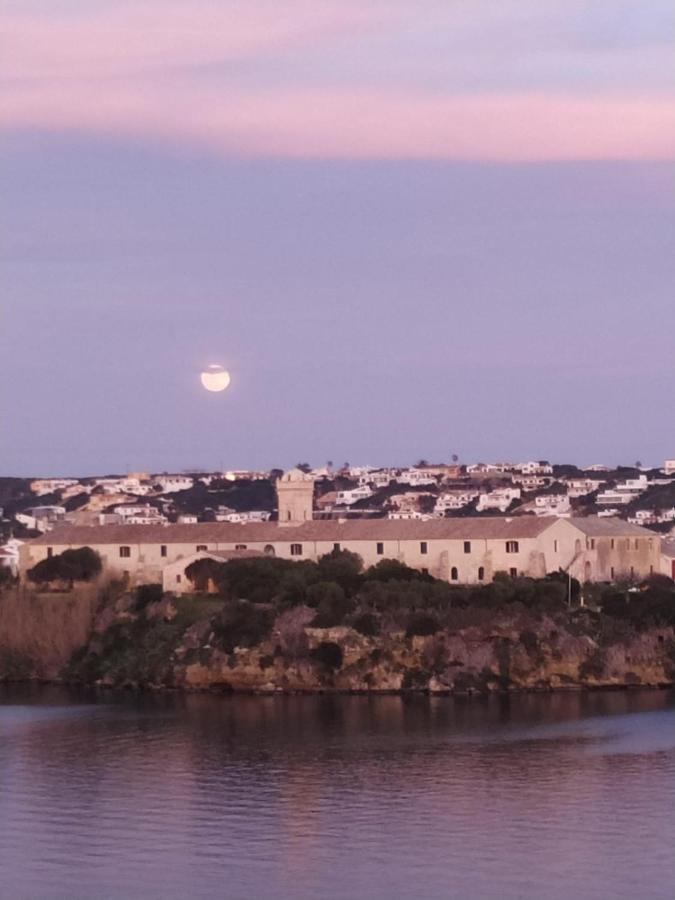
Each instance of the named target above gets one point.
<point>546,797</point>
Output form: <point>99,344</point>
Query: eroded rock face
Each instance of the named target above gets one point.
<point>445,663</point>
<point>168,645</point>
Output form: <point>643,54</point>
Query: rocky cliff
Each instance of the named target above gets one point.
<point>186,644</point>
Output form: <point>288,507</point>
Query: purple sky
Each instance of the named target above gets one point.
<point>405,235</point>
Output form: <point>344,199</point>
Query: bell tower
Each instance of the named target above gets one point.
<point>295,492</point>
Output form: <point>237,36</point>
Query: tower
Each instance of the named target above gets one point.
<point>295,491</point>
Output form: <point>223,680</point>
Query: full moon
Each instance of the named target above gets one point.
<point>215,378</point>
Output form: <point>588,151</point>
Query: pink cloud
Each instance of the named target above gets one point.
<point>358,124</point>
<point>104,71</point>
<point>125,37</point>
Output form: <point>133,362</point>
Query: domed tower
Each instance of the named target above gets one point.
<point>295,492</point>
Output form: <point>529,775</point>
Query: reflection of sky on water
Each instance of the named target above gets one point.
<point>538,796</point>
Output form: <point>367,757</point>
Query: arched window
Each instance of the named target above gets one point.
<point>454,574</point>
<point>269,550</point>
<point>481,573</point>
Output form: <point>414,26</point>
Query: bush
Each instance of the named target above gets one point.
<point>331,604</point>
<point>422,624</point>
<point>342,567</point>
<point>393,570</point>
<point>147,594</point>
<point>366,624</point>
<point>328,654</point>
<point>242,624</point>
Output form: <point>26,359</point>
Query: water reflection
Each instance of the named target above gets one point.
<point>529,796</point>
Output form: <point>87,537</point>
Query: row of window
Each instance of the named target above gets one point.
<point>296,549</point>
<point>590,543</point>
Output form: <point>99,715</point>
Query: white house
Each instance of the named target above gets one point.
<point>377,479</point>
<point>499,499</point>
<point>453,500</point>
<point>170,484</point>
<point>669,467</point>
<point>415,477</point>
<point>9,555</point>
<point>353,495</point>
<point>41,518</point>
<point>251,515</point>
<point>535,468</point>
<point>623,493</point>
<point>552,505</point>
<point>581,487</point>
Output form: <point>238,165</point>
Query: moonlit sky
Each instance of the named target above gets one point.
<point>407,227</point>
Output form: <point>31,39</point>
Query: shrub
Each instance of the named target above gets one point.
<point>366,624</point>
<point>241,624</point>
<point>147,594</point>
<point>328,654</point>
<point>422,624</point>
<point>331,604</point>
<point>393,570</point>
<point>342,567</point>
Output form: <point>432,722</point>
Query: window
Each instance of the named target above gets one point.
<point>50,551</point>
<point>425,571</point>
<point>162,550</point>
<point>467,546</point>
<point>269,550</point>
<point>336,547</point>
<point>611,572</point>
<point>288,515</point>
<point>481,573</point>
<point>513,573</point>
<point>454,574</point>
<point>201,548</point>
<point>380,548</point>
<point>512,546</point>
<point>590,543</point>
<point>632,572</point>
<point>555,546</point>
<point>125,552</point>
<point>424,547</point>
<point>179,578</point>
<point>296,549</point>
<point>240,547</point>
<point>611,543</point>
<point>637,543</point>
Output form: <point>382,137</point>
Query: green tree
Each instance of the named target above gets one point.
<point>82,564</point>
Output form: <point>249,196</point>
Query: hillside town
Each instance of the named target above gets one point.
<point>49,511</point>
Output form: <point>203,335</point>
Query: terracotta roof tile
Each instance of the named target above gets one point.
<point>465,528</point>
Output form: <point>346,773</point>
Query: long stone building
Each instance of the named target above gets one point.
<point>463,550</point>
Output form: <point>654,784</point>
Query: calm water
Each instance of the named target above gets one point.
<point>540,796</point>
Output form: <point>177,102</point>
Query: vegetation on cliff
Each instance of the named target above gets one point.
<point>268,624</point>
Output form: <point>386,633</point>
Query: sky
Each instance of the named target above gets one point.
<point>408,229</point>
